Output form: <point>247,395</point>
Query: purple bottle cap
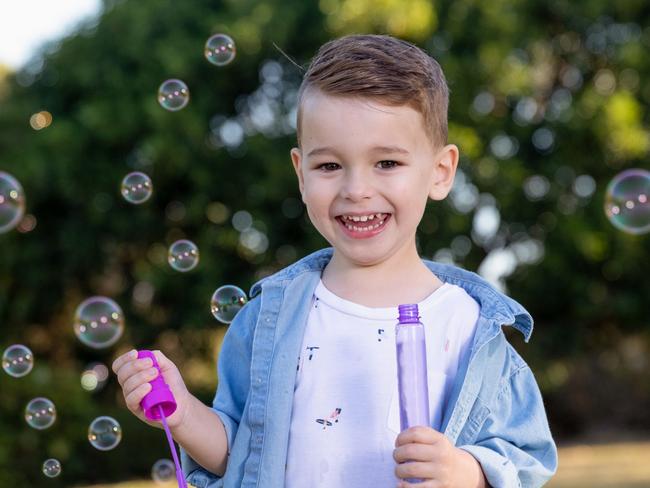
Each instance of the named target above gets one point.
<point>160,394</point>
<point>408,313</point>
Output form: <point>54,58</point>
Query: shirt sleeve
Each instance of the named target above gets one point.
<point>233,369</point>
<point>515,447</point>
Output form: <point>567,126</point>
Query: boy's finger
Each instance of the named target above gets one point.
<point>127,356</point>
<point>136,380</point>
<point>415,469</point>
<point>134,398</point>
<point>414,452</point>
<point>132,368</point>
<point>418,434</point>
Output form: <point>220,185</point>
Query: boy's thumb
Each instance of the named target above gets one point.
<point>163,361</point>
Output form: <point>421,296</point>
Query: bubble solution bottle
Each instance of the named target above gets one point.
<point>411,368</point>
<point>412,382</point>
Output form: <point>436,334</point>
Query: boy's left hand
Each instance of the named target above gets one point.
<point>433,459</point>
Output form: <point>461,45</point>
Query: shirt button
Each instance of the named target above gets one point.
<point>268,320</point>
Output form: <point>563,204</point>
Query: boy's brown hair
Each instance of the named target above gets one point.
<point>380,67</point>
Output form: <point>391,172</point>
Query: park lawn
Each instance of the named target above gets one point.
<point>617,465</point>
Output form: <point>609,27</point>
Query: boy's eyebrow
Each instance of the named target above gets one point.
<point>376,149</point>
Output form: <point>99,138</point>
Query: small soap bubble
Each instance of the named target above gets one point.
<point>627,204</point>
<point>17,360</point>
<point>52,468</point>
<point>173,95</point>
<point>98,322</point>
<point>220,49</point>
<point>40,413</point>
<point>94,377</point>
<point>163,470</point>
<point>104,433</point>
<point>183,255</point>
<point>12,202</point>
<point>136,188</point>
<point>226,301</point>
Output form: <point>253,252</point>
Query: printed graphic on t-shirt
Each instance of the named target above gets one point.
<point>331,420</point>
<point>311,350</point>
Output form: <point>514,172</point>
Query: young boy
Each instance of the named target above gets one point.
<point>307,392</point>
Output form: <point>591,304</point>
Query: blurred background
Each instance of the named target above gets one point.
<point>549,103</point>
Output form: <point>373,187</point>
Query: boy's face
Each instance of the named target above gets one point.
<point>365,171</point>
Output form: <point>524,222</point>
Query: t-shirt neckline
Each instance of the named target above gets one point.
<point>376,313</point>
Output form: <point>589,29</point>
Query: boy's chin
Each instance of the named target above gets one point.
<point>362,261</point>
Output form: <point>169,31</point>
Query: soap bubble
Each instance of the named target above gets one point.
<point>627,201</point>
<point>183,255</point>
<point>163,470</point>
<point>12,202</point>
<point>104,433</point>
<point>17,360</point>
<point>94,377</point>
<point>136,187</point>
<point>226,301</point>
<point>98,322</point>
<point>51,468</point>
<point>220,49</point>
<point>173,95</point>
<point>40,413</point>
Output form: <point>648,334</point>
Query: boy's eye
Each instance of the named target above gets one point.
<point>328,166</point>
<point>387,164</point>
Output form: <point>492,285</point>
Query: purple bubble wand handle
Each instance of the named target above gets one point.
<point>159,404</point>
<point>412,381</point>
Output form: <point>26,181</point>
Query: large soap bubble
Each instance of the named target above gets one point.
<point>52,468</point>
<point>183,255</point>
<point>104,433</point>
<point>98,322</point>
<point>220,49</point>
<point>17,360</point>
<point>173,95</point>
<point>226,301</point>
<point>163,471</point>
<point>40,413</point>
<point>627,204</point>
<point>12,202</point>
<point>136,188</point>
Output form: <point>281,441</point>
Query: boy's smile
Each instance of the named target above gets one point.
<point>364,225</point>
<point>366,170</point>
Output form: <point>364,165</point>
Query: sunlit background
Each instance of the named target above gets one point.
<point>145,185</point>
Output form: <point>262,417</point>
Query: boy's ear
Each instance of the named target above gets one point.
<point>444,172</point>
<point>296,159</point>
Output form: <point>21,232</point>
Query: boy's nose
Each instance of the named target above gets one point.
<point>357,187</point>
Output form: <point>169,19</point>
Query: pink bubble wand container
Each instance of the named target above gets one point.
<point>159,404</point>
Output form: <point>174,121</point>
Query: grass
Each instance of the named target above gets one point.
<point>616,465</point>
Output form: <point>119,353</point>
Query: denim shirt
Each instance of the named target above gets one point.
<point>495,410</point>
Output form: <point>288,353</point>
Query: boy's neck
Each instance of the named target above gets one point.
<point>386,284</point>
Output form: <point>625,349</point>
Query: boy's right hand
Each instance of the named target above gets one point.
<point>134,375</point>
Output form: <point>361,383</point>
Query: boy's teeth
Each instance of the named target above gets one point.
<point>364,228</point>
<point>362,218</point>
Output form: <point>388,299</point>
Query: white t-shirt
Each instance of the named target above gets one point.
<point>345,413</point>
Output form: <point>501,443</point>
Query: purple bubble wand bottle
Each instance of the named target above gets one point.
<point>412,382</point>
<point>159,404</point>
